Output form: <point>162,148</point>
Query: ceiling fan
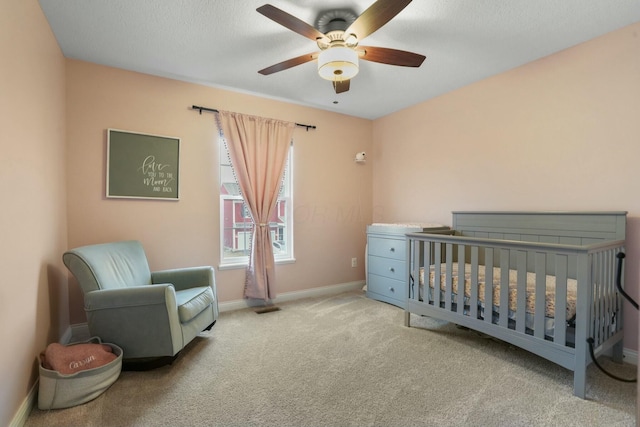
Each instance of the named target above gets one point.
<point>339,41</point>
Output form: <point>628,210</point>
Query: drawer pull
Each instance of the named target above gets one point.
<point>392,249</point>
<point>392,290</point>
<point>391,269</point>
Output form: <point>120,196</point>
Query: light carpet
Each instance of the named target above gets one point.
<point>346,360</point>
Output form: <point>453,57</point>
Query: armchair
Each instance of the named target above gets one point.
<point>148,314</point>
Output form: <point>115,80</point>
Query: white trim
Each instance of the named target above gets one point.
<point>80,332</point>
<point>67,336</point>
<point>238,266</point>
<point>20,418</point>
<point>630,356</point>
<point>295,295</point>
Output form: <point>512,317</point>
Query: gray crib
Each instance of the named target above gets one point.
<point>542,281</point>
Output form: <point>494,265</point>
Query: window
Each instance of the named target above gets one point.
<point>236,224</point>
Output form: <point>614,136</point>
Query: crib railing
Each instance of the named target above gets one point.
<point>590,268</point>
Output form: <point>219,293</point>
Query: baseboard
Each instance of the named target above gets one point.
<point>67,337</point>
<point>78,332</point>
<point>630,356</point>
<point>295,295</point>
<point>20,418</point>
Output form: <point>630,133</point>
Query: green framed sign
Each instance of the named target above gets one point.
<point>142,166</point>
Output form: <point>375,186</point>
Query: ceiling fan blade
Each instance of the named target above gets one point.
<point>375,17</point>
<point>341,86</point>
<point>289,63</point>
<point>291,22</point>
<point>384,55</point>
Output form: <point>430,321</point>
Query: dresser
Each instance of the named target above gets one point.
<point>387,260</point>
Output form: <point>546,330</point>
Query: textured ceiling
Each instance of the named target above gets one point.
<point>223,43</point>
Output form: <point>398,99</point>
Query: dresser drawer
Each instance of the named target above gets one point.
<point>390,248</point>
<point>387,267</point>
<point>389,288</point>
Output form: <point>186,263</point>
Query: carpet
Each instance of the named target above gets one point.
<point>346,360</point>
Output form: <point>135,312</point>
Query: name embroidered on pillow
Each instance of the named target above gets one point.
<point>77,357</point>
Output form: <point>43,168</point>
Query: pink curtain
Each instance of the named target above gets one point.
<point>258,148</point>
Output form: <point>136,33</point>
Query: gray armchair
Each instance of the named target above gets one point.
<point>148,314</point>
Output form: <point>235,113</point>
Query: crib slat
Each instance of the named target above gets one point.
<point>437,267</point>
<point>427,269</point>
<point>448,278</point>
<point>616,308</point>
<point>473,302</point>
<point>488,285</point>
<point>592,325</point>
<point>607,284</point>
<point>603,280</point>
<point>560,316</point>
<point>461,279</point>
<point>504,288</point>
<point>612,294</point>
<point>521,306</point>
<point>540,294</point>
<point>585,295</point>
<point>600,285</point>
<point>410,267</point>
<point>617,298</point>
<point>414,250</point>
<point>597,298</point>
<point>611,261</point>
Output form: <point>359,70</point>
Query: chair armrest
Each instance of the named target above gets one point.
<point>145,295</point>
<point>142,320</point>
<point>185,278</point>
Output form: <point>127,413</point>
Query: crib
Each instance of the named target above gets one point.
<point>541,281</point>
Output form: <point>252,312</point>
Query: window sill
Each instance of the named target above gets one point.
<point>244,265</point>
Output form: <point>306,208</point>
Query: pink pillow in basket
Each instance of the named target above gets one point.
<point>77,357</point>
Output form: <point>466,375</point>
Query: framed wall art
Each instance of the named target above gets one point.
<point>142,166</point>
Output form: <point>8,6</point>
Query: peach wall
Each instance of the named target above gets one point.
<point>561,133</point>
<point>332,194</point>
<point>33,291</point>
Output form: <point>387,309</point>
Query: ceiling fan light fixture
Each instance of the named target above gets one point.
<point>351,40</point>
<point>338,63</point>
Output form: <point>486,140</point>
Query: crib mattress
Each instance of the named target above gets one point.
<point>550,296</point>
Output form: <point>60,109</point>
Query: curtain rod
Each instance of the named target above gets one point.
<point>213,110</point>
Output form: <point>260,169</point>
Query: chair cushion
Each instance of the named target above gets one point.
<point>192,301</point>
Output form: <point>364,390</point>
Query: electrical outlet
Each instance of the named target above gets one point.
<point>354,262</point>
